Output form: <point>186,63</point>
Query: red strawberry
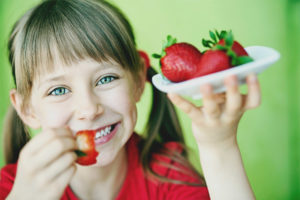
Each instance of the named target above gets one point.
<point>182,61</point>
<point>178,60</point>
<point>224,41</point>
<point>236,47</point>
<point>213,61</point>
<point>85,141</point>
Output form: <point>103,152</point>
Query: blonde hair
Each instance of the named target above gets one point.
<point>72,30</point>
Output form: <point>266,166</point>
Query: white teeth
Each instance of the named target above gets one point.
<point>98,134</point>
<point>103,132</point>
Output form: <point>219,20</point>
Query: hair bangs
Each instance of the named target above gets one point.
<point>69,31</point>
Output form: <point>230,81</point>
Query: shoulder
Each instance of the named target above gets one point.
<point>169,161</point>
<point>7,178</point>
<point>170,164</point>
<point>183,181</point>
<point>8,172</point>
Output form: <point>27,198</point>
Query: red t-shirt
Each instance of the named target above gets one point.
<point>136,185</point>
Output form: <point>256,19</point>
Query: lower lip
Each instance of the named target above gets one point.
<point>108,137</point>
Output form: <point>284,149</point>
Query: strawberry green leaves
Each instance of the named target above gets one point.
<point>170,41</point>
<point>224,41</point>
<point>80,153</point>
<point>241,60</point>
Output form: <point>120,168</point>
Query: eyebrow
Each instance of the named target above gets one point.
<point>62,77</point>
<point>55,78</point>
<point>51,79</point>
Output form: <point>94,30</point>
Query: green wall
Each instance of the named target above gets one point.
<point>268,135</point>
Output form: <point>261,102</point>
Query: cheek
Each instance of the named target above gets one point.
<point>123,102</point>
<point>54,116</point>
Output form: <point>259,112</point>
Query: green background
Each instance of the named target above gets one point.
<point>269,135</point>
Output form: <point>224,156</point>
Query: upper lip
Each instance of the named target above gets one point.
<point>103,127</point>
<point>97,129</point>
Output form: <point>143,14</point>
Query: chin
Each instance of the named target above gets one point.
<point>108,158</point>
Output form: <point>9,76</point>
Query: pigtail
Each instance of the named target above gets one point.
<point>15,136</point>
<point>163,111</point>
<point>163,126</point>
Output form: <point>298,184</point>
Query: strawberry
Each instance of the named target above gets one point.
<point>224,41</point>
<point>182,61</point>
<point>236,47</point>
<point>178,60</point>
<point>213,61</point>
<point>87,153</point>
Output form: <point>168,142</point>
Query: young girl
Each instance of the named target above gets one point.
<point>76,67</point>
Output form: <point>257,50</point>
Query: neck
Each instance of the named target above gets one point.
<point>100,182</point>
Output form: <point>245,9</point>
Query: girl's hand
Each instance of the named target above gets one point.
<point>46,165</point>
<point>215,126</point>
<point>216,122</point>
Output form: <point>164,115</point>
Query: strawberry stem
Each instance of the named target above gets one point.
<point>243,60</point>
<point>207,43</point>
<point>213,36</point>
<point>155,55</point>
<point>80,153</point>
<point>229,39</point>
<point>170,41</point>
<point>220,47</point>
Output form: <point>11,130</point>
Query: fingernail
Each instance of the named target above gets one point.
<point>170,95</point>
<point>231,81</point>
<point>252,78</point>
<point>205,89</point>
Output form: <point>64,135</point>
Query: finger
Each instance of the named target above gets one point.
<point>43,138</point>
<point>210,102</point>
<point>35,144</point>
<point>64,178</point>
<point>53,150</point>
<point>220,98</point>
<point>253,97</point>
<point>233,97</point>
<point>59,165</point>
<point>187,107</point>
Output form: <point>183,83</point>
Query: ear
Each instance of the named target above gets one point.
<point>25,114</point>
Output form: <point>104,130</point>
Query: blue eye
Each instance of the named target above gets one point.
<point>59,91</point>
<point>106,79</point>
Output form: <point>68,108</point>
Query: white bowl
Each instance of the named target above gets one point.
<point>263,57</point>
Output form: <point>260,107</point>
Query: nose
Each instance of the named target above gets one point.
<point>88,106</point>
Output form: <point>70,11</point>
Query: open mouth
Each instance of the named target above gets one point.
<point>105,131</point>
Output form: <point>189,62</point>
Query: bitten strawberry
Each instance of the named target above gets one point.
<point>87,153</point>
<point>178,60</point>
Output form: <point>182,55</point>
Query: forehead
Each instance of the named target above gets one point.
<point>86,65</point>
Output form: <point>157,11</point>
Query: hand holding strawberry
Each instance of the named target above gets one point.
<point>214,127</point>
<point>46,165</point>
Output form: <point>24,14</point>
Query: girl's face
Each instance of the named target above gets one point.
<point>89,96</point>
